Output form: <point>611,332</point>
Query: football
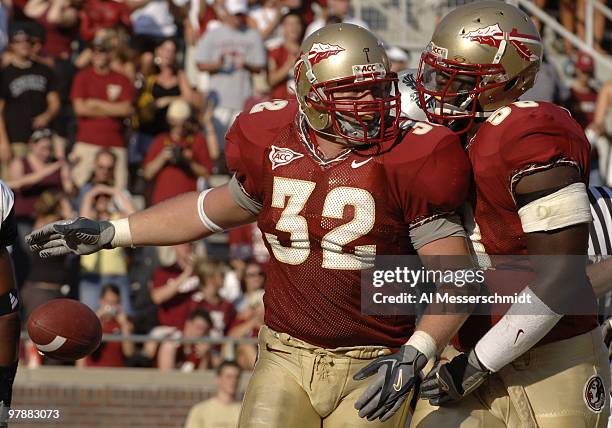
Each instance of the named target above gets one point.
<point>65,329</point>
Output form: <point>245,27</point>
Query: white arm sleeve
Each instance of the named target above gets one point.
<point>524,325</point>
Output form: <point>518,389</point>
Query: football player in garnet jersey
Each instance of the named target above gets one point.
<point>9,304</point>
<point>332,182</point>
<point>530,163</point>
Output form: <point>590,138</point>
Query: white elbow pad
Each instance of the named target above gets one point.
<point>565,207</point>
<point>207,222</point>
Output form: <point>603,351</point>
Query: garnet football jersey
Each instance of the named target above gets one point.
<point>324,220</point>
<point>522,138</point>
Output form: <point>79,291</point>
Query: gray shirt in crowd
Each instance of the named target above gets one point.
<point>232,85</point>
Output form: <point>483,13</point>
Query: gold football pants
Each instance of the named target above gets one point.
<point>296,384</point>
<point>565,384</point>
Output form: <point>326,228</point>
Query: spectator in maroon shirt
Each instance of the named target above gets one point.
<point>221,311</point>
<point>188,357</point>
<point>29,177</point>
<point>282,59</point>
<point>114,321</point>
<point>177,158</point>
<point>173,286</point>
<point>102,99</point>
<point>36,173</point>
<point>60,20</point>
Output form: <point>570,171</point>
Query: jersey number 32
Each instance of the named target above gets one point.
<point>291,196</point>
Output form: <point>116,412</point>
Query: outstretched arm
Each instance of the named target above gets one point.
<point>185,218</point>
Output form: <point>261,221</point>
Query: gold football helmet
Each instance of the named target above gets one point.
<point>344,83</point>
<point>482,56</point>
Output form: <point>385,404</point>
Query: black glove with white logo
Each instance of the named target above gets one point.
<point>395,376</point>
<point>452,381</point>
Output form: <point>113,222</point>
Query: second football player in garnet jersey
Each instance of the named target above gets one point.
<point>536,365</point>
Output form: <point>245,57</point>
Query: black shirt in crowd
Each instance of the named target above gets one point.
<point>24,91</point>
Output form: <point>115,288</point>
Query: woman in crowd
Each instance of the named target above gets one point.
<point>167,84</point>
<point>282,58</point>
<point>29,178</point>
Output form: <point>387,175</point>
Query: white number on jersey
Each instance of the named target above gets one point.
<point>291,196</point>
<point>269,105</point>
<point>501,114</point>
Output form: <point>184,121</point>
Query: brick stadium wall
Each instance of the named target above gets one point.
<point>110,398</point>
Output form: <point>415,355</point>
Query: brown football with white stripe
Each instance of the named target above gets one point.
<point>65,329</point>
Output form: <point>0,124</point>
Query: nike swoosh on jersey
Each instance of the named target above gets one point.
<point>356,164</point>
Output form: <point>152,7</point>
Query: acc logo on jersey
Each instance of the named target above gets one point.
<point>595,393</point>
<point>280,156</point>
<point>493,36</point>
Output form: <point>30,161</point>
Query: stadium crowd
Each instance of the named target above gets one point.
<point>110,106</point>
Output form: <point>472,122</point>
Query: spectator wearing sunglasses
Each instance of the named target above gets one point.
<point>28,96</point>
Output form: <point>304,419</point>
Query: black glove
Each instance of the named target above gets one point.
<point>80,236</point>
<point>452,381</point>
<point>395,376</point>
<point>7,376</point>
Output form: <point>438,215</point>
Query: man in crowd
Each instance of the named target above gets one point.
<point>231,53</point>
<point>102,99</point>
<point>28,96</point>
<point>223,409</point>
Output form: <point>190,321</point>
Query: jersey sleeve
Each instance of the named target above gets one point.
<point>541,138</point>
<point>433,186</point>
<point>8,227</point>
<point>241,157</point>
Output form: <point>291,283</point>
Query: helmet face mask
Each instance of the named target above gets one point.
<point>482,56</point>
<point>360,111</point>
<point>455,88</point>
<point>344,86</point>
